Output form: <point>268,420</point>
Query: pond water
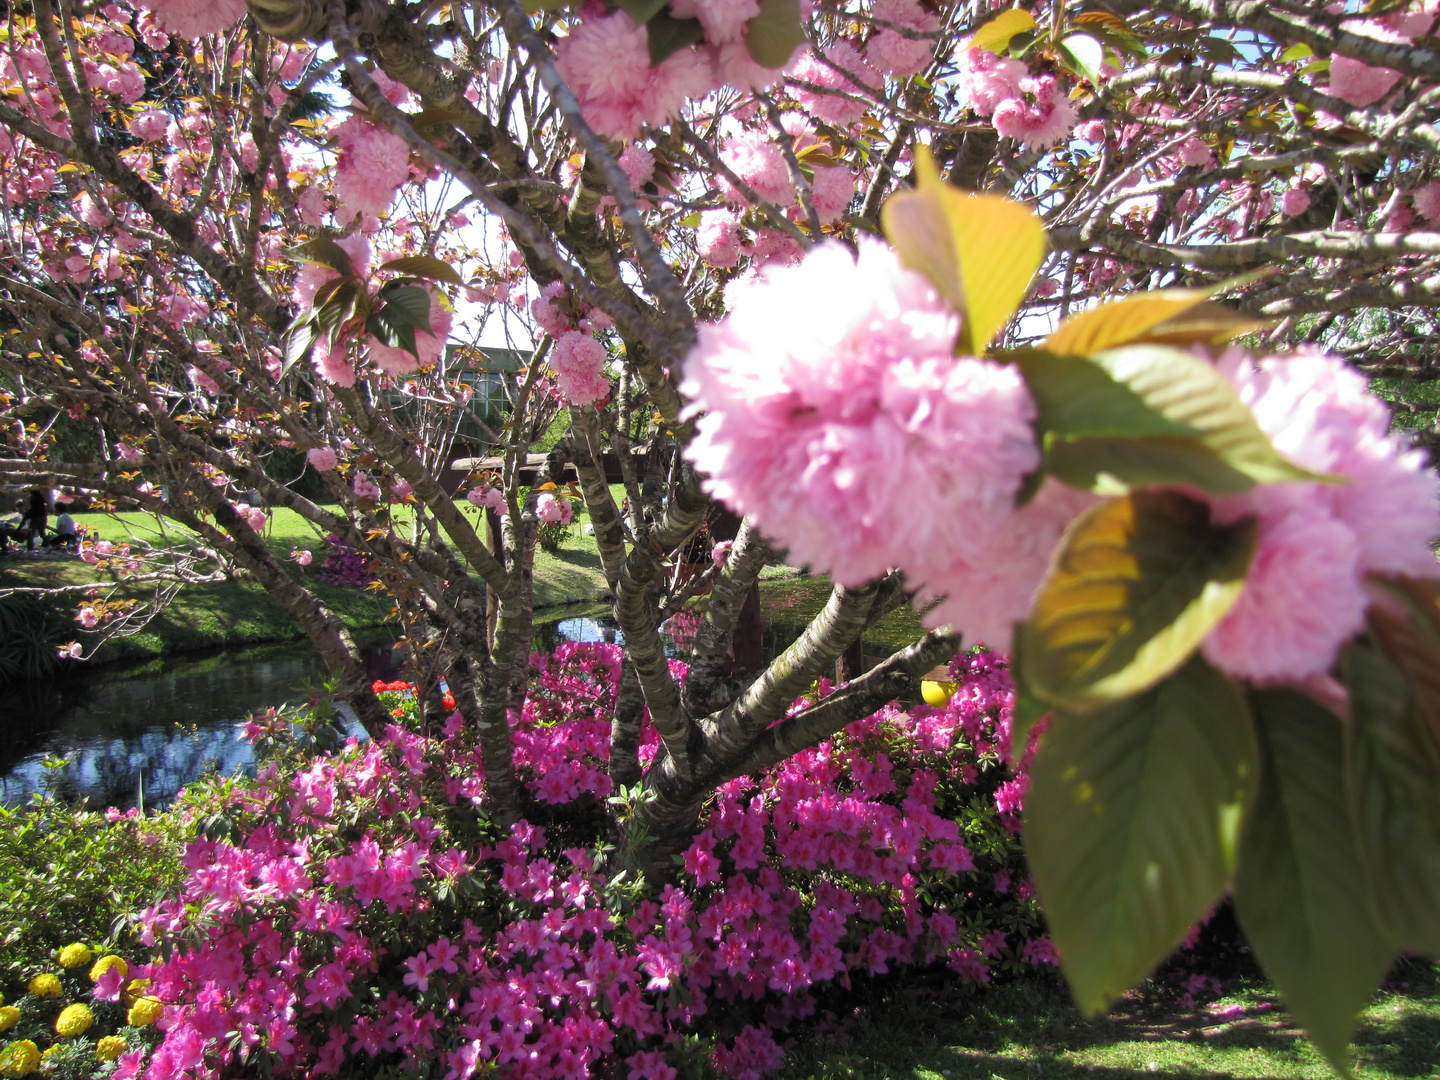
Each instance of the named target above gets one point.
<point>158,725</point>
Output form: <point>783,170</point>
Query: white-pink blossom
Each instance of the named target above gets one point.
<point>985,80</point>
<point>894,53</point>
<point>553,511</point>
<point>322,458</point>
<point>578,361</point>
<point>1360,84</point>
<point>834,108</point>
<point>606,62</point>
<point>489,497</point>
<point>150,125</point>
<point>1294,202</point>
<point>831,191</point>
<point>372,164</point>
<point>756,158</point>
<point>1039,119</point>
<point>831,408</point>
<point>194,18</point>
<point>364,487</point>
<point>1303,597</point>
<point>1426,200</point>
<point>718,238</point>
<point>639,165</point>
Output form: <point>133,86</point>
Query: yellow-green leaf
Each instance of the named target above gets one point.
<point>1121,321</point>
<point>1137,584</point>
<point>995,35</point>
<point>979,251</point>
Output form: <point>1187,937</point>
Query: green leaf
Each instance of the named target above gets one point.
<point>641,11</point>
<point>772,36</point>
<point>339,308</point>
<point>407,305</point>
<point>322,251</point>
<point>668,35</point>
<point>1301,891</point>
<point>979,251</point>
<point>1078,398</point>
<point>1229,454</point>
<point>1393,778</point>
<point>388,331</point>
<point>995,35</point>
<point>1132,823</point>
<point>1298,51</point>
<point>425,266</point>
<point>1136,585</point>
<point>300,340</point>
<point>1084,56</point>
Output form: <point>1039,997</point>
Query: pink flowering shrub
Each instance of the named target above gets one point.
<point>357,911</point>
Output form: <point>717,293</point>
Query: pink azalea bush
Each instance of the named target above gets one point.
<point>357,911</point>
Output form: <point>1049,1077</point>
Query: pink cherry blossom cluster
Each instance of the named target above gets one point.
<point>578,361</point>
<point>325,935</point>
<point>553,511</point>
<point>1305,594</point>
<point>371,165</point>
<point>721,239</point>
<point>490,497</point>
<point>558,310</point>
<point>1032,110</point>
<point>756,158</point>
<point>189,19</point>
<point>832,409</point>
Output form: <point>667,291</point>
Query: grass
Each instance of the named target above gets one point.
<point>243,613</point>
<point>1028,1030</point>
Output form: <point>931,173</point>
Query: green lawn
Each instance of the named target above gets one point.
<point>1030,1029</point>
<point>240,612</point>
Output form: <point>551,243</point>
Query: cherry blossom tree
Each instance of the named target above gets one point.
<point>734,235</point>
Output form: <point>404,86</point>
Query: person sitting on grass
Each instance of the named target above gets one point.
<point>65,534</point>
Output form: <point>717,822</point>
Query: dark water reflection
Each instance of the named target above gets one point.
<point>160,724</point>
<point>165,722</point>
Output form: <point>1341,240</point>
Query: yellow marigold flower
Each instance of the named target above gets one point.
<point>144,1012</point>
<point>9,1017</point>
<point>45,985</point>
<point>72,956</point>
<point>109,1048</point>
<point>49,1052</point>
<point>105,963</point>
<point>19,1058</point>
<point>134,988</point>
<point>74,1020</point>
